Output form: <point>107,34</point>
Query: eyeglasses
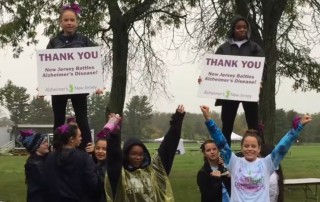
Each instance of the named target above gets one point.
<point>134,155</point>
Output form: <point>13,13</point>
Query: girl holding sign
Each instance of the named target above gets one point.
<point>69,38</point>
<point>239,44</point>
<point>250,175</point>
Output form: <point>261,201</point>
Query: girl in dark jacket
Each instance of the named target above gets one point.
<point>71,173</point>
<point>239,43</point>
<point>69,38</point>
<point>38,148</point>
<point>100,153</point>
<point>213,178</point>
<point>100,158</point>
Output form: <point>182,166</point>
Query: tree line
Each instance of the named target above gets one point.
<point>139,119</point>
<point>127,31</point>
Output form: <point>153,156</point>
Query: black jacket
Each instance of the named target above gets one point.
<point>102,169</point>
<point>35,178</point>
<point>249,48</point>
<point>73,41</point>
<point>71,176</point>
<point>211,187</point>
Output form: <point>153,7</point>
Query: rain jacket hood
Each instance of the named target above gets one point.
<point>126,148</point>
<point>149,182</point>
<point>235,19</point>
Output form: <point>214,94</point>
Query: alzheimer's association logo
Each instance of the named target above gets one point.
<point>227,93</point>
<point>71,88</point>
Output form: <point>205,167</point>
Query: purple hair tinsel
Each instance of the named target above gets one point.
<point>74,6</point>
<point>63,129</point>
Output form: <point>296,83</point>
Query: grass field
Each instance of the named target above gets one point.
<point>301,162</point>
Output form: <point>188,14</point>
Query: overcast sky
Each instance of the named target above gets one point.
<point>182,84</point>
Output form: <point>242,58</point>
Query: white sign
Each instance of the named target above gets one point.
<point>69,70</point>
<point>231,77</point>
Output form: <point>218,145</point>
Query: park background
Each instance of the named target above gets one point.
<point>287,30</point>
<point>301,161</point>
<point>142,122</point>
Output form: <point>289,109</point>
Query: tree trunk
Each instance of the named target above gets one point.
<point>267,103</point>
<point>272,12</point>
<point>119,74</point>
<point>267,95</point>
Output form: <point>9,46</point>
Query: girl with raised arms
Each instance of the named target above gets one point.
<point>250,175</point>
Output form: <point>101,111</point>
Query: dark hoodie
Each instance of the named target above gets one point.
<point>150,181</point>
<point>249,48</point>
<point>73,41</point>
<point>126,148</point>
<point>71,176</point>
<point>211,187</point>
<point>35,178</point>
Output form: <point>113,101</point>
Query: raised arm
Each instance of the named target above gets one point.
<point>285,143</point>
<point>168,146</point>
<point>217,135</point>
<point>114,152</point>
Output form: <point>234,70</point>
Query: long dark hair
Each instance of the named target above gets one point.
<point>203,148</point>
<point>62,135</point>
<point>94,153</point>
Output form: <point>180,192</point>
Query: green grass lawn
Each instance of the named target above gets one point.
<point>301,162</point>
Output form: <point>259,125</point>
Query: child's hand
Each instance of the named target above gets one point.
<point>114,122</point>
<point>220,161</point>
<point>216,173</point>
<point>39,96</point>
<point>306,119</point>
<point>180,109</point>
<point>205,112</point>
<point>227,173</point>
<point>99,91</point>
<point>89,148</point>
